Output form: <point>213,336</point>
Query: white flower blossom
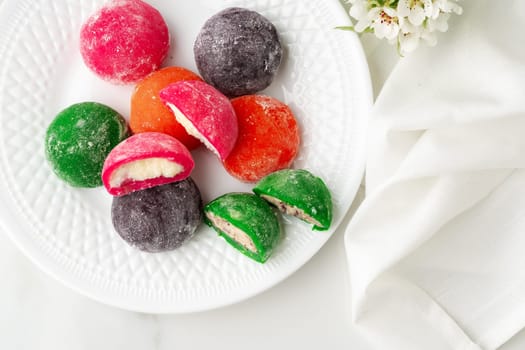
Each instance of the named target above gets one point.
<point>440,23</point>
<point>404,23</point>
<point>409,38</point>
<point>384,22</point>
<point>359,11</point>
<point>415,10</point>
<point>447,6</point>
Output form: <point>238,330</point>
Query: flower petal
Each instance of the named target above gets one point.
<point>361,25</point>
<point>390,11</point>
<point>374,14</point>
<point>417,16</point>
<point>379,29</point>
<point>358,10</point>
<point>391,31</point>
<point>440,23</point>
<point>428,6</point>
<point>403,8</point>
<point>458,10</point>
<point>408,42</point>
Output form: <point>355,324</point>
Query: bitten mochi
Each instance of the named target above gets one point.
<point>124,41</point>
<point>148,113</point>
<point>160,218</point>
<point>246,222</point>
<point>299,193</point>
<point>79,139</point>
<point>238,51</point>
<point>268,138</point>
<point>145,160</point>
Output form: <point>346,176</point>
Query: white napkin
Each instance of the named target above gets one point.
<point>436,251</point>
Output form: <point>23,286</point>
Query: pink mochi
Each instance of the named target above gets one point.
<point>124,41</point>
<point>145,160</point>
<point>205,113</point>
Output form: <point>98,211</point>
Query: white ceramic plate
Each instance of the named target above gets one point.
<point>67,232</point>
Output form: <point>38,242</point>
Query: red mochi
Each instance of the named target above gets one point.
<point>145,160</point>
<point>124,41</point>
<point>268,138</point>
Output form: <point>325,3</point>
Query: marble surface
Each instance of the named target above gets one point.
<point>309,310</point>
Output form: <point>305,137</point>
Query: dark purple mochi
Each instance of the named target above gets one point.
<point>160,218</point>
<point>238,52</point>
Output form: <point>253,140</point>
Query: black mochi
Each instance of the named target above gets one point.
<point>238,52</point>
<point>160,218</point>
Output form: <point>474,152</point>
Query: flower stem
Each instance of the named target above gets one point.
<point>350,28</point>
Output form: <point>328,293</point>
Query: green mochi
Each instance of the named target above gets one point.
<point>249,214</point>
<point>299,193</point>
<point>79,139</point>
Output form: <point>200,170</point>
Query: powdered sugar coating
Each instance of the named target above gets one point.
<point>160,218</point>
<point>205,113</point>
<point>146,146</point>
<point>238,51</point>
<point>124,41</point>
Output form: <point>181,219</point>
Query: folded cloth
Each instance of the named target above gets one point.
<point>436,252</point>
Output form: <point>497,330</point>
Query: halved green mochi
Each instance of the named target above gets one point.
<point>246,222</point>
<point>299,193</point>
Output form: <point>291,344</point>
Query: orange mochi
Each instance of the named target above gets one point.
<point>148,113</point>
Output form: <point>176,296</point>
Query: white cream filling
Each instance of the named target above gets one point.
<point>190,128</point>
<point>144,169</point>
<point>291,210</point>
<point>235,233</point>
